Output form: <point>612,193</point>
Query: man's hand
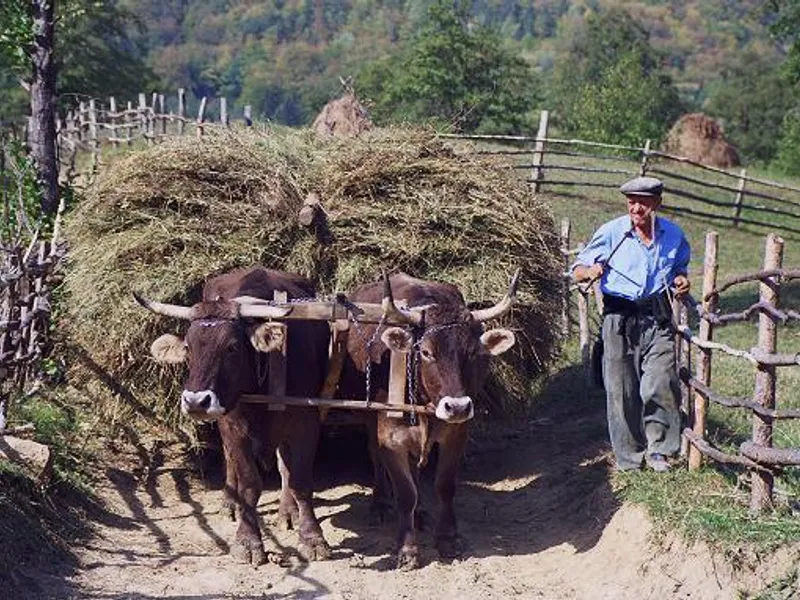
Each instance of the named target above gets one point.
<point>682,285</point>
<point>583,273</point>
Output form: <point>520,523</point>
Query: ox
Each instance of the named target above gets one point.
<point>226,346</point>
<point>449,344</point>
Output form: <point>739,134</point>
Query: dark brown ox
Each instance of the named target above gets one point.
<point>453,352</point>
<point>226,346</point>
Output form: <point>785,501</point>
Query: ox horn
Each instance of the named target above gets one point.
<point>502,307</point>
<point>167,310</point>
<point>413,317</point>
<point>258,308</point>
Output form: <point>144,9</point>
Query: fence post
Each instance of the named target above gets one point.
<point>223,111</point>
<point>94,143</point>
<point>248,115</point>
<point>566,226</point>
<point>143,115</point>
<point>162,109</point>
<point>737,205</point>
<point>201,116</point>
<point>704,356</point>
<point>129,123</point>
<point>181,110</point>
<point>683,360</point>
<point>645,158</point>
<point>583,329</point>
<point>81,120</point>
<point>538,152</point>
<point>112,121</point>
<point>769,291</point>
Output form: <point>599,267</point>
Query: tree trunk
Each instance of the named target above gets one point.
<point>42,128</point>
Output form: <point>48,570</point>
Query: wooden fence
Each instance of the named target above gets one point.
<point>28,272</point>
<point>758,455</point>
<point>704,191</point>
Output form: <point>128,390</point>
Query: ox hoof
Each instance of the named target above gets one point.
<point>228,509</point>
<point>408,559</point>
<point>314,549</point>
<point>450,546</point>
<point>286,519</point>
<point>251,553</point>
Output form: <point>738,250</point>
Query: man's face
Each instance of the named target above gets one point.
<point>641,209</point>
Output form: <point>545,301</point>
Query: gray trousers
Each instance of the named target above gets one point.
<point>642,389</point>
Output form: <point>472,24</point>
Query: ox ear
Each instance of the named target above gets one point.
<point>397,339</point>
<point>169,349</point>
<point>266,337</point>
<point>498,341</point>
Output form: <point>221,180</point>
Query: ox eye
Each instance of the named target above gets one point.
<point>426,354</point>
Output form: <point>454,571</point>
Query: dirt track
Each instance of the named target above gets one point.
<point>534,504</point>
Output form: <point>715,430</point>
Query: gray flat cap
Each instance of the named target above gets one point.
<point>642,186</point>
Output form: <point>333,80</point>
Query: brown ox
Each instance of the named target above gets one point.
<point>226,346</point>
<point>453,352</point>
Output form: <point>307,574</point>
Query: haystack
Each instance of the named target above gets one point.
<point>343,117</point>
<point>701,139</point>
<point>163,220</point>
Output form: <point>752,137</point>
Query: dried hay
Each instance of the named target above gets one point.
<point>343,117</point>
<point>163,220</point>
<point>701,139</point>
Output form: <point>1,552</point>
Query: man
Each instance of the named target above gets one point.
<point>639,258</point>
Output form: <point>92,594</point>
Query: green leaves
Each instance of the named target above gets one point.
<point>453,72</point>
<point>16,33</point>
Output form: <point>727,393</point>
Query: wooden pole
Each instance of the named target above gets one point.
<point>737,205</point>
<point>645,158</point>
<point>538,152</point>
<point>151,125</point>
<point>82,120</point>
<point>276,385</point>
<point>162,114</point>
<point>566,227</point>
<point>181,110</point>
<point>223,111</point>
<point>201,116</point>
<point>683,360</point>
<point>769,291</point>
<point>248,115</point>
<point>94,143</point>
<point>703,375</point>
<point>143,115</point>
<point>583,330</point>
<point>112,121</point>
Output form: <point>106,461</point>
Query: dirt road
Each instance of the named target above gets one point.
<point>534,503</point>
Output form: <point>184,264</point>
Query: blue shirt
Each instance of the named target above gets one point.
<point>637,270</point>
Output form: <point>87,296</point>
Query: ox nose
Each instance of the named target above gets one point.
<point>201,405</point>
<point>455,409</point>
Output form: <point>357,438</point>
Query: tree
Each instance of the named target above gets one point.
<point>752,99</point>
<point>611,86</point>
<point>786,28</point>
<point>455,72</point>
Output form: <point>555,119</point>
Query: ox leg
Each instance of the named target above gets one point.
<point>381,503</point>
<point>405,497</point>
<point>450,452</point>
<point>230,501</point>
<point>300,459</point>
<point>288,513</point>
<point>247,546</point>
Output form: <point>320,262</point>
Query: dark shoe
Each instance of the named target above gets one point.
<point>657,462</point>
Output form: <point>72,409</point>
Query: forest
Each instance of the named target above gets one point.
<point>607,70</point>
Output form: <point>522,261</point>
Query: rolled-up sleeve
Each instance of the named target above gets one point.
<point>596,250</point>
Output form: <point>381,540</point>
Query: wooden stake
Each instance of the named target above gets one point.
<point>645,158</point>
<point>566,227</point>
<point>248,115</point>
<point>223,111</point>
<point>703,375</point>
<point>763,481</point>
<point>112,121</point>
<point>538,153</point>
<point>277,362</point>
<point>201,113</point>
<point>181,110</point>
<point>737,204</point>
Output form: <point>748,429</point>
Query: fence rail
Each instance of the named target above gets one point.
<point>759,455</point>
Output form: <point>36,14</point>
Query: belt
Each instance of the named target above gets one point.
<point>657,305</point>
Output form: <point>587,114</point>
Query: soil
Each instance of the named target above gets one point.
<point>535,508</point>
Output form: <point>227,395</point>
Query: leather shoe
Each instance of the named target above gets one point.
<point>657,462</point>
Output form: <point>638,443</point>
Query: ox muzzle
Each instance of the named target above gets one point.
<point>455,410</point>
<point>201,406</point>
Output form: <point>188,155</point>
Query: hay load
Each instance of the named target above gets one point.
<point>701,139</point>
<point>163,220</point>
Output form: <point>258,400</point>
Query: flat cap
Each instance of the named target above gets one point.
<point>642,186</point>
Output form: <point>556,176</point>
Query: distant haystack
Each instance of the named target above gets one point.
<point>343,117</point>
<point>701,139</point>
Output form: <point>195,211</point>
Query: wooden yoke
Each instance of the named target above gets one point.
<point>277,363</point>
<point>397,383</point>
